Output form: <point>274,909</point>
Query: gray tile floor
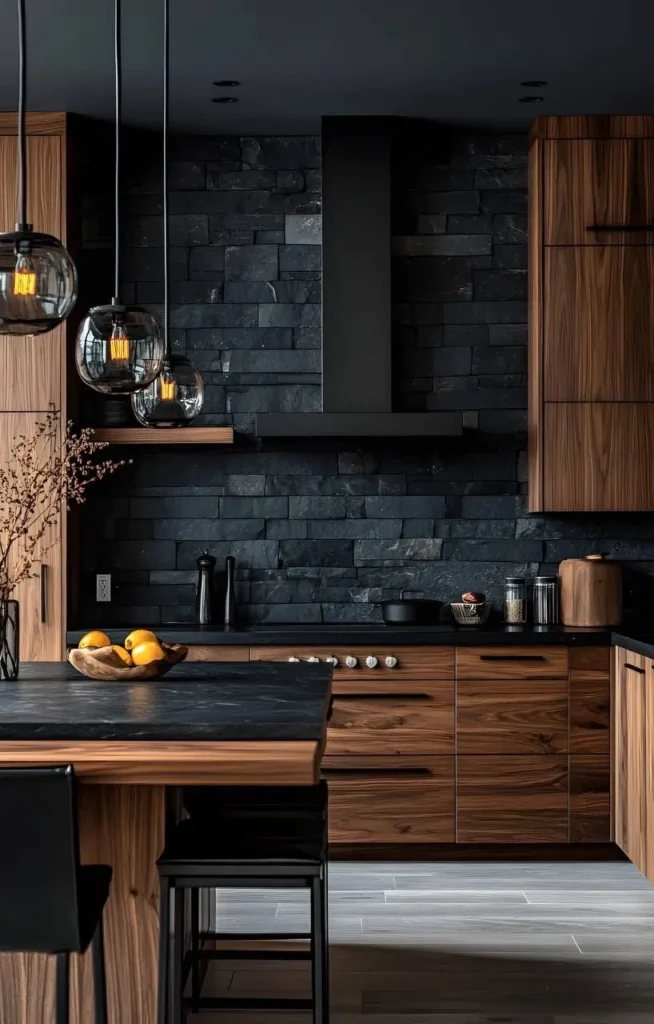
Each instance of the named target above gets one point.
<point>462,943</point>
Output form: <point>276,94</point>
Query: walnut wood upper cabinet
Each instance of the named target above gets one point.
<point>591,314</point>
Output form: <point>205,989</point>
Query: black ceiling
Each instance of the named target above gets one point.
<point>453,60</point>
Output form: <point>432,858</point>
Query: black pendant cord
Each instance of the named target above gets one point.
<point>166,92</point>
<point>118,101</point>
<point>22,224</point>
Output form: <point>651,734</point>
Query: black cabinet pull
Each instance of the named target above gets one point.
<point>376,773</point>
<point>44,593</point>
<point>382,696</point>
<point>634,668</point>
<point>512,657</point>
<point>620,227</point>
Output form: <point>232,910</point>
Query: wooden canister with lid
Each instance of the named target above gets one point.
<point>591,591</point>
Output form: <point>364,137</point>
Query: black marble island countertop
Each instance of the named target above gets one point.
<point>209,701</point>
<point>362,634</point>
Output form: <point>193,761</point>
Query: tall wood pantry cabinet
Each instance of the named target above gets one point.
<point>33,370</point>
<point>591,314</point>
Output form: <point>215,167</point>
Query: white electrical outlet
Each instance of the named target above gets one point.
<point>103,586</point>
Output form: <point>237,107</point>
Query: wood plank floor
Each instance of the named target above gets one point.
<point>461,943</point>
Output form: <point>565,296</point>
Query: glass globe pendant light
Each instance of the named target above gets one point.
<point>119,349</point>
<point>177,395</point>
<point>38,280</point>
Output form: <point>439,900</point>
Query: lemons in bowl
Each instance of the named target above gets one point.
<point>141,647</point>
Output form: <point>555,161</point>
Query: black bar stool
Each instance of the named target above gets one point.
<point>49,903</point>
<point>243,837</point>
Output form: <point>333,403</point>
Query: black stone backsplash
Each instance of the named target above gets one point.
<point>325,531</point>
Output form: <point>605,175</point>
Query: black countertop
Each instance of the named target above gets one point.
<point>388,636</point>
<point>210,701</point>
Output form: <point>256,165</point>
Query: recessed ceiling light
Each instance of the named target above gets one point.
<point>534,83</point>
<point>530,99</point>
<point>225,99</point>
<point>227,83</point>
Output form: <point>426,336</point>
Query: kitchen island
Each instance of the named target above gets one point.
<point>132,745</point>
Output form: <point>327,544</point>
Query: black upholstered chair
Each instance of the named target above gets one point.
<point>49,903</point>
<point>243,837</point>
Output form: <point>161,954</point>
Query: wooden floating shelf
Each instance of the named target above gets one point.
<point>163,435</point>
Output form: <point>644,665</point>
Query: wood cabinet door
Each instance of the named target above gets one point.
<point>390,799</point>
<point>590,798</point>
<point>599,457</point>
<point>391,717</point>
<point>521,799</point>
<point>590,700</point>
<point>32,369</point>
<point>512,716</point>
<point>599,323</point>
<point>42,598</point>
<point>598,183</point>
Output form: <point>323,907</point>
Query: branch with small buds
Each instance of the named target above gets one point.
<point>44,474</point>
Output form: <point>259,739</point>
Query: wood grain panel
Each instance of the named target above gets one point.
<point>590,798</point>
<point>27,988</point>
<point>598,182</point>
<point>37,123</point>
<point>581,126</point>
<point>505,799</point>
<point>154,762</point>
<point>599,323</point>
<point>633,757</point>
<point>390,800</point>
<point>485,663</point>
<point>218,652</point>
<point>412,662</point>
<point>152,435</point>
<point>535,367</point>
<point>512,717</point>
<point>39,641</point>
<point>123,826</point>
<point>371,717</point>
<point>590,700</point>
<point>599,457</point>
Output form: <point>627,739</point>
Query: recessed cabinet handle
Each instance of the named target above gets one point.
<point>382,696</point>
<point>634,668</point>
<point>620,227</point>
<point>512,657</point>
<point>376,773</point>
<point>44,593</point>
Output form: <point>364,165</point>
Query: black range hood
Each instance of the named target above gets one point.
<point>356,296</point>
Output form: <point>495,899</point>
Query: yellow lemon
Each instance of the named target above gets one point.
<point>124,655</point>
<point>96,638</point>
<point>140,636</point>
<point>146,652</point>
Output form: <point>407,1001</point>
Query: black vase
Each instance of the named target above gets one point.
<point>9,639</point>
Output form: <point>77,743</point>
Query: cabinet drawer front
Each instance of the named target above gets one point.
<point>408,801</point>
<point>511,663</point>
<point>378,717</point>
<point>217,652</point>
<point>605,183</point>
<point>520,799</point>
<point>506,717</point>
<point>412,662</point>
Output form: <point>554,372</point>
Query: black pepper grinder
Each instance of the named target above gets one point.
<point>205,589</point>
<point>230,593</point>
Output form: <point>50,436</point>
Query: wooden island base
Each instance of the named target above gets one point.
<point>122,823</point>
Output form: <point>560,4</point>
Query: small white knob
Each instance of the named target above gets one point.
<point>371,661</point>
<point>313,659</point>
<point>293,658</point>
<point>331,660</point>
<point>390,661</point>
<point>351,661</point>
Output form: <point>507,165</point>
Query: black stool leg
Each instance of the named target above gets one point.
<point>319,953</point>
<point>99,977</point>
<point>195,949</point>
<point>177,964</point>
<point>164,951</point>
<point>63,962</point>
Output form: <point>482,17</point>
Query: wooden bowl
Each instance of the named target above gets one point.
<point>103,663</point>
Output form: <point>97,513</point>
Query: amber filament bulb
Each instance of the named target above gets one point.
<point>168,389</point>
<point>119,343</point>
<point>24,276</point>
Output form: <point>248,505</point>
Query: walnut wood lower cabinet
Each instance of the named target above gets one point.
<point>633,758</point>
<point>390,799</point>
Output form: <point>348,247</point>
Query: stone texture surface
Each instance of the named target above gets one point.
<point>324,531</point>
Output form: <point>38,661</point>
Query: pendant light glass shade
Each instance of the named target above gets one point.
<point>119,349</point>
<point>38,283</point>
<point>173,399</point>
